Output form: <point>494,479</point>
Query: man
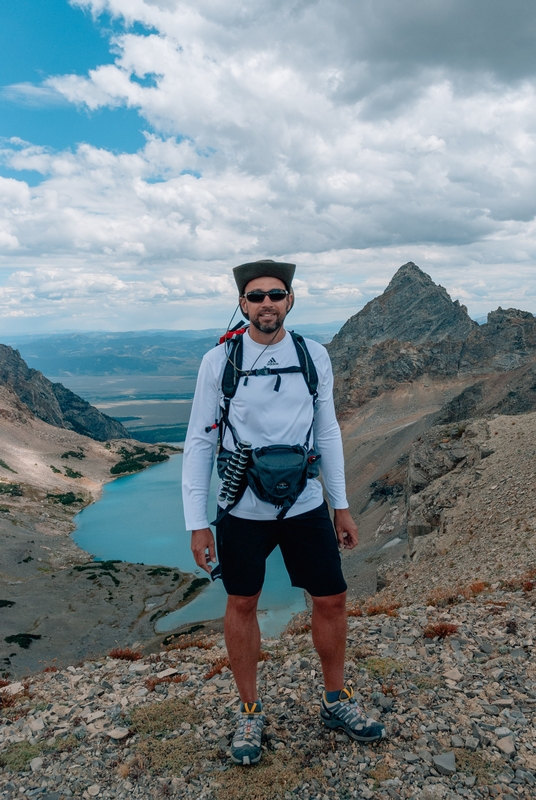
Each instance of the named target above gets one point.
<point>273,408</point>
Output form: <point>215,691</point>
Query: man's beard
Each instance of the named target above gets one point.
<point>268,327</point>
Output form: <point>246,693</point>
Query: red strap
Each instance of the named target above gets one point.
<point>231,334</point>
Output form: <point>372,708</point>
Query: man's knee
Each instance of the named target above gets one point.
<point>242,605</point>
<point>330,604</point>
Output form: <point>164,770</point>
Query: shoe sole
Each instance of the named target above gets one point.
<point>333,724</point>
<point>246,761</point>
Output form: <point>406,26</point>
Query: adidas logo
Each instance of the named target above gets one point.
<point>272,363</point>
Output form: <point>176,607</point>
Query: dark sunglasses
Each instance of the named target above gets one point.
<point>275,295</point>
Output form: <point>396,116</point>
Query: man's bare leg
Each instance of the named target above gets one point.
<point>243,640</point>
<point>329,637</point>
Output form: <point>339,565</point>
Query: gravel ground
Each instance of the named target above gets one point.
<point>460,712</point>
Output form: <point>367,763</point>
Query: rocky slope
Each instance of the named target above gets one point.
<point>52,402</point>
<point>460,711</point>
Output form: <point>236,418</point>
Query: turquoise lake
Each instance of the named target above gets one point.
<point>139,518</point>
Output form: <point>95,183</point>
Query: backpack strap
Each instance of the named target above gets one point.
<point>307,365</point>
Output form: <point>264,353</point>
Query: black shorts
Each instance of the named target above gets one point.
<point>308,544</point>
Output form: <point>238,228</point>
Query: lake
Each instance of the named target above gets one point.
<point>139,519</point>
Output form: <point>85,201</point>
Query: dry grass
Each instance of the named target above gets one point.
<point>125,654</point>
<point>296,628</point>
<point>381,667</point>
<point>150,683</point>
<point>440,629</point>
<point>164,717</point>
<point>217,667</point>
<point>387,607</point>
<point>354,610</point>
<point>185,644</point>
<point>169,755</point>
<point>443,597</point>
<point>359,653</point>
<point>382,772</point>
<point>476,764</point>
<point>278,774</point>
<point>525,581</point>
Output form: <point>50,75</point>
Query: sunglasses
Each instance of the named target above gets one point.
<point>257,296</point>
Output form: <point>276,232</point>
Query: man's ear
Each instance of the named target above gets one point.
<point>243,306</point>
<point>290,301</point>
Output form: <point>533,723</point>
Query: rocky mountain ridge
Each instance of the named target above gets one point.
<point>414,330</point>
<point>53,402</point>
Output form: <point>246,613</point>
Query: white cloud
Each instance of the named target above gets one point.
<point>349,137</point>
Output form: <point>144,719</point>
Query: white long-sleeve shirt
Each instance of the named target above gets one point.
<point>263,417</point>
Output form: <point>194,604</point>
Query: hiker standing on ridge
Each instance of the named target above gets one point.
<point>270,393</point>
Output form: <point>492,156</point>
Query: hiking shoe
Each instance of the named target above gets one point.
<point>346,714</point>
<point>246,744</point>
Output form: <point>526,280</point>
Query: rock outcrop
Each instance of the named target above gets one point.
<point>413,330</point>
<point>53,402</point>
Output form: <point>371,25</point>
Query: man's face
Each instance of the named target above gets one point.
<point>267,316</point>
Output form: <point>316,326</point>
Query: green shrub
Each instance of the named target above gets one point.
<point>72,473</point>
<point>66,499</point>
<point>12,489</point>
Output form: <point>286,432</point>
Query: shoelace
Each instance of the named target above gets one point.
<point>350,711</point>
<point>249,726</point>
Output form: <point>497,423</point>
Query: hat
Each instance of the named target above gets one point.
<point>263,269</point>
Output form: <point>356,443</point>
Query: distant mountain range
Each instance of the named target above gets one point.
<point>132,352</point>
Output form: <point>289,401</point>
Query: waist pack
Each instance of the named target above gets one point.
<point>278,473</point>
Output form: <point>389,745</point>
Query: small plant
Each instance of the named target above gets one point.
<point>17,756</point>
<point>151,683</point>
<point>126,654</point>
<point>353,610</point>
<point>381,667</point>
<point>297,628</point>
<point>55,469</point>
<point>74,454</point>
<point>388,607</point>
<point>511,626</point>
<point>217,667</point>
<point>440,629</point>
<point>477,587</point>
<point>442,597</point>
<point>6,603</point>
<point>176,642</point>
<point>5,466</point>
<point>50,669</point>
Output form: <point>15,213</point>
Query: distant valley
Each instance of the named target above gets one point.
<point>144,380</point>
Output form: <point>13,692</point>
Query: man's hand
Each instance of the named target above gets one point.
<point>203,548</point>
<point>346,529</point>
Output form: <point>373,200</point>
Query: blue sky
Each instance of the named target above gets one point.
<point>147,146</point>
<point>39,38</point>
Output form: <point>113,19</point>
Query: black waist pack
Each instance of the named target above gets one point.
<point>278,473</point>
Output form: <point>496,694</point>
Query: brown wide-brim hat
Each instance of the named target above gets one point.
<point>263,269</point>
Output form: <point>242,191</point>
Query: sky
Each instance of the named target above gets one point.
<point>148,146</point>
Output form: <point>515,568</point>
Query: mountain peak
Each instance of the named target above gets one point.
<point>411,309</point>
